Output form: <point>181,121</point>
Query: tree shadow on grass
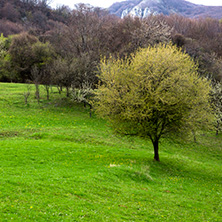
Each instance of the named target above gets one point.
<point>186,168</point>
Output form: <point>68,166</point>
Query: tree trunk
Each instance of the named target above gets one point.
<point>156,150</point>
<point>217,128</point>
<point>37,92</point>
<point>47,87</point>
<point>67,91</point>
<point>194,137</point>
<point>90,110</point>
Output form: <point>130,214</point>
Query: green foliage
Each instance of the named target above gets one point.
<point>155,92</point>
<point>4,58</point>
<point>27,51</point>
<point>2,45</point>
<point>43,53</point>
<point>3,51</point>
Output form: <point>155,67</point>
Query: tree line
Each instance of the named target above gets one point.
<point>64,47</point>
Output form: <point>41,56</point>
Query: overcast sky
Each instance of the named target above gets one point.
<point>107,3</point>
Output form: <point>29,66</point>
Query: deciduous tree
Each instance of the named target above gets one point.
<point>5,71</point>
<point>155,92</point>
<point>216,96</point>
<point>27,51</point>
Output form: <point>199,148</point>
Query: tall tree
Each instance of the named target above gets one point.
<point>155,92</point>
<point>26,51</point>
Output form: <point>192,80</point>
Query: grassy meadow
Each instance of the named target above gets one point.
<point>58,164</point>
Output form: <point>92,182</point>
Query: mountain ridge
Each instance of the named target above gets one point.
<point>144,8</point>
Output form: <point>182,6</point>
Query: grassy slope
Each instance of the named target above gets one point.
<point>57,164</point>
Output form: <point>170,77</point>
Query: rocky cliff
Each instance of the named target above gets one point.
<point>143,8</point>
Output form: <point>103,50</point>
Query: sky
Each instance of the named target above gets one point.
<point>107,3</point>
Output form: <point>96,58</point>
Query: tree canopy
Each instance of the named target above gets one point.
<point>154,92</point>
<point>26,51</point>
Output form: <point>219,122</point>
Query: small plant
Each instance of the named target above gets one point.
<point>83,94</point>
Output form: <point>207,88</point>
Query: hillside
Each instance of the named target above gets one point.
<point>143,8</point>
<point>58,164</point>
<point>17,16</point>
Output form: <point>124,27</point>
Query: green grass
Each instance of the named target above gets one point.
<point>57,164</point>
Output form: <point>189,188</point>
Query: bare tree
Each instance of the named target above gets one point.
<point>152,30</point>
<point>36,76</point>
<point>27,93</point>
